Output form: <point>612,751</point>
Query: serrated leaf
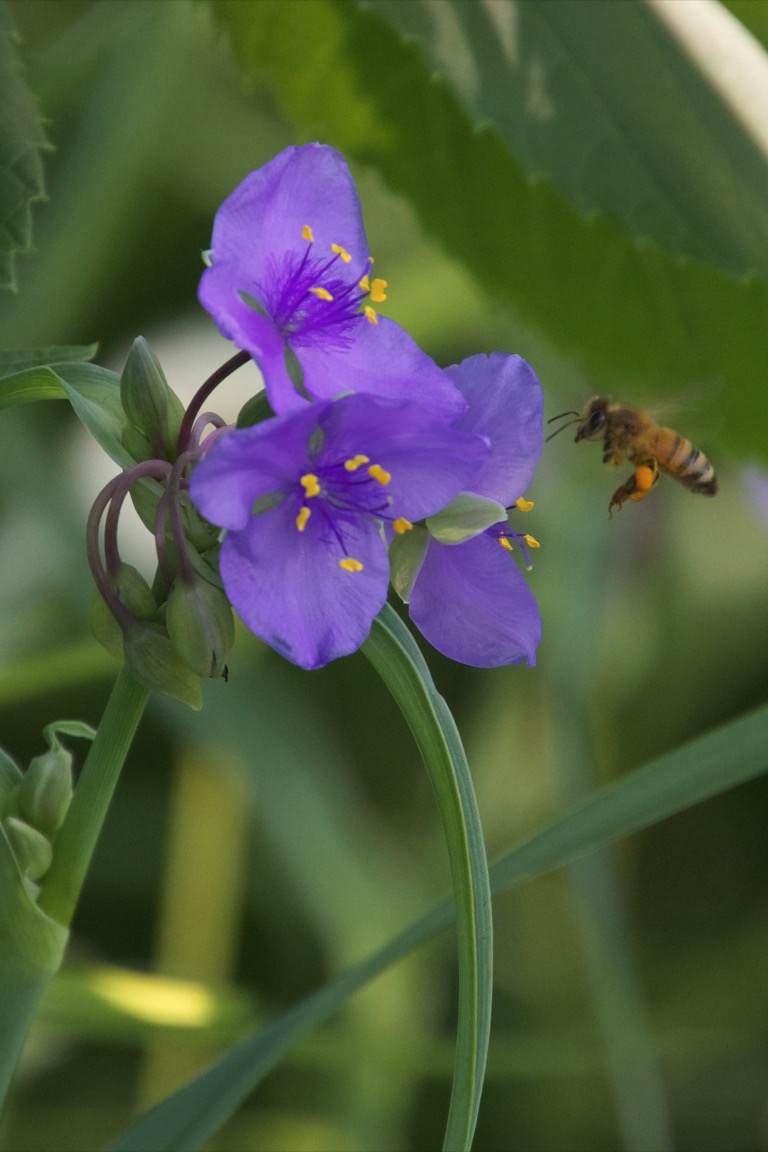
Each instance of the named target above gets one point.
<point>22,140</point>
<point>638,322</point>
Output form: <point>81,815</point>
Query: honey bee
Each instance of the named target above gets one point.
<point>629,434</point>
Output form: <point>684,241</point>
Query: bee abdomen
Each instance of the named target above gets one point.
<point>691,467</point>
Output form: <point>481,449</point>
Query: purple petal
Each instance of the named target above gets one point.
<point>472,603</point>
<point>506,405</point>
<point>429,462</point>
<point>246,463</point>
<point>383,360</point>
<point>265,214</point>
<point>289,589</point>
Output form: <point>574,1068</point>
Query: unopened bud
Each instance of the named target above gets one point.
<point>32,850</point>
<point>45,791</point>
<point>201,625</point>
<point>133,591</point>
<point>153,659</point>
<point>150,405</point>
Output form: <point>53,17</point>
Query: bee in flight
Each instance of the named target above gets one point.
<point>629,434</point>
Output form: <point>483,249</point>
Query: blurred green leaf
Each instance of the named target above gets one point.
<point>715,762</point>
<point>22,140</point>
<point>654,146</point>
<point>14,361</point>
<point>635,319</point>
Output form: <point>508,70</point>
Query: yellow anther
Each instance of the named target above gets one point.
<point>303,516</point>
<point>354,463</point>
<point>505,543</point>
<point>531,542</point>
<point>370,314</point>
<point>378,295</point>
<point>350,565</point>
<point>365,284</point>
<point>310,484</point>
<point>322,293</point>
<point>376,472</point>
<point>339,251</point>
<point>524,505</point>
<point>307,234</point>
<point>401,525</point>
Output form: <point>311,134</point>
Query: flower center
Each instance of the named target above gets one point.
<point>308,295</point>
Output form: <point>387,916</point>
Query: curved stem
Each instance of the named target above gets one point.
<point>202,394</point>
<point>77,838</point>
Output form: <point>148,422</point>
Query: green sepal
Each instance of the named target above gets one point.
<point>466,516</point>
<point>152,658</point>
<point>406,556</point>
<point>133,591</point>
<point>254,411</point>
<point>45,792</point>
<point>201,625</point>
<point>150,405</point>
<point>33,851</point>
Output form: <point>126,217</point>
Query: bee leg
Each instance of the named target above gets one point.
<point>637,487</point>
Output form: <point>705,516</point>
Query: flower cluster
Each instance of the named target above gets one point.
<point>375,462</point>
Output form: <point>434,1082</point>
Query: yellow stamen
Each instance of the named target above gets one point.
<point>370,314</point>
<point>303,516</point>
<point>401,525</point>
<point>353,464</point>
<point>339,251</point>
<point>322,293</point>
<point>523,504</point>
<point>505,543</point>
<point>350,565</point>
<point>376,472</point>
<point>365,284</point>
<point>307,234</point>
<point>310,484</point>
<point>531,542</point>
<point>378,295</point>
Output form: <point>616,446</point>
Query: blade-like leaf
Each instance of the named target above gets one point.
<point>637,320</point>
<point>22,140</point>
<point>94,393</point>
<point>659,146</point>
<point>720,760</point>
<point>14,361</point>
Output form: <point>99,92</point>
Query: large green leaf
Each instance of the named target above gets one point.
<point>720,760</point>
<point>636,319</point>
<point>17,360</point>
<point>656,145</point>
<point>22,140</point>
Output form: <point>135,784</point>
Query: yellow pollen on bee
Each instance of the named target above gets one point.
<point>354,463</point>
<point>401,525</point>
<point>322,293</point>
<point>376,472</point>
<point>339,251</point>
<point>303,516</point>
<point>378,295</point>
<point>523,505</point>
<point>307,234</point>
<point>350,565</point>
<point>505,543</point>
<point>531,542</point>
<point>370,314</point>
<point>310,484</point>
<point>644,478</point>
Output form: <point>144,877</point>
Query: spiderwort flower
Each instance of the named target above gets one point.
<point>290,282</point>
<point>468,597</point>
<point>303,496</point>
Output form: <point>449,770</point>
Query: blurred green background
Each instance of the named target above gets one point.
<point>207,871</point>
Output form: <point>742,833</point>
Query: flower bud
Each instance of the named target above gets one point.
<point>153,659</point>
<point>45,791</point>
<point>32,850</point>
<point>150,405</point>
<point>134,591</point>
<point>201,625</point>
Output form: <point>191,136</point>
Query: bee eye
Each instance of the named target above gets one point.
<point>596,420</point>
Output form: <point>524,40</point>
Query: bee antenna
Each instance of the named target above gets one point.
<point>562,426</point>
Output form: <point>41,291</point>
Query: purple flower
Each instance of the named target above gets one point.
<point>290,282</point>
<point>303,497</point>
<point>468,598</point>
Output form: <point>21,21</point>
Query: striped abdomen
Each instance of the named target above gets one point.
<point>679,458</point>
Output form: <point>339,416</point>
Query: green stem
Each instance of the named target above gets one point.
<point>77,839</point>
